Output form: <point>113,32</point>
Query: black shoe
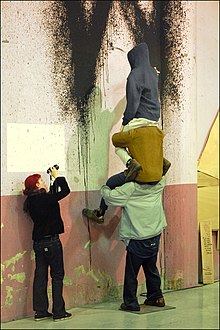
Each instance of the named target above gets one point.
<point>92,215</point>
<point>133,170</point>
<point>159,302</point>
<point>62,317</point>
<point>124,307</point>
<point>166,166</point>
<point>42,316</point>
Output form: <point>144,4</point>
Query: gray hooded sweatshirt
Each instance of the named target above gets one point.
<point>142,93</point>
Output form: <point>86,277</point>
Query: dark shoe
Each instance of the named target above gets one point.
<point>62,317</point>
<point>166,166</point>
<point>159,302</point>
<point>42,316</point>
<point>124,307</point>
<point>92,215</point>
<point>133,170</point>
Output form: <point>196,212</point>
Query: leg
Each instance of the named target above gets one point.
<point>114,181</point>
<point>97,215</point>
<point>153,281</point>
<point>133,166</point>
<point>132,267</point>
<point>123,154</point>
<point>40,298</point>
<point>55,259</point>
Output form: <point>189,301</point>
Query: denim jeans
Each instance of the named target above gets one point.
<point>114,181</point>
<point>152,276</point>
<point>48,253</point>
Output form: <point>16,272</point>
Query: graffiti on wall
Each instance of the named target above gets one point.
<point>81,41</point>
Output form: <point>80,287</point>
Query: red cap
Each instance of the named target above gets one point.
<point>30,183</point>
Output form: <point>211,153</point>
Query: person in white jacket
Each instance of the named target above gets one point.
<point>141,225</point>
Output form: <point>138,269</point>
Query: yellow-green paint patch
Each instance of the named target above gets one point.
<point>32,255</point>
<point>2,225</point>
<point>19,277</point>
<point>67,280</point>
<point>100,276</point>
<point>80,270</point>
<point>87,245</point>
<point>14,259</point>
<point>49,289</point>
<point>2,270</point>
<point>9,297</point>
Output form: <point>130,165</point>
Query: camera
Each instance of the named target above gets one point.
<point>56,167</point>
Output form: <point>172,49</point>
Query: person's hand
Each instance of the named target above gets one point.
<point>54,172</point>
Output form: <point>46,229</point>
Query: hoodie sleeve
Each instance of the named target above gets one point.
<point>133,95</point>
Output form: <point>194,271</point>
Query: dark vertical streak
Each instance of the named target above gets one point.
<point>86,45</point>
<point>141,31</point>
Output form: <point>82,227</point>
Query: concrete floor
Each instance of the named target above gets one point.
<point>196,308</point>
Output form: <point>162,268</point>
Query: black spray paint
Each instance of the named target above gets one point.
<point>77,30</point>
<point>174,27</point>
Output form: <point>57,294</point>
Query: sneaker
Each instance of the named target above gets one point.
<point>159,302</point>
<point>92,215</point>
<point>133,170</point>
<point>42,316</point>
<point>62,317</point>
<point>125,308</point>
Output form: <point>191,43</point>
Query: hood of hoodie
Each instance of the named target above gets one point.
<point>141,69</point>
<point>139,56</point>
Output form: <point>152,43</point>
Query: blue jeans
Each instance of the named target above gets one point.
<point>48,252</point>
<point>147,258</point>
<point>114,181</point>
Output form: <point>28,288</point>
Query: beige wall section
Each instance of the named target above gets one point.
<point>27,95</point>
<point>179,116</point>
<point>29,105</point>
<point>207,68</point>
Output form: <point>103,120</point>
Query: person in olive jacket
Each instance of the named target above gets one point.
<point>44,209</point>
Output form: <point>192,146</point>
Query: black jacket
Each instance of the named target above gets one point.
<point>44,210</point>
<point>142,93</point>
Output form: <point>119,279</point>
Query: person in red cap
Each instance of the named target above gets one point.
<point>43,208</point>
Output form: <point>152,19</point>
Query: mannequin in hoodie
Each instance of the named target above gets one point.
<point>142,110</point>
<point>139,144</point>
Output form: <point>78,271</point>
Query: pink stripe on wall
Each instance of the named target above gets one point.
<point>94,258</point>
<point>181,236</point>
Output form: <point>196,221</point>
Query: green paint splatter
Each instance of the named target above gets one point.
<point>67,281</point>
<point>91,274</point>
<point>87,245</point>
<point>2,270</point>
<point>19,277</point>
<point>80,270</point>
<point>49,289</point>
<point>9,297</point>
<point>32,255</point>
<point>14,259</point>
<point>99,277</point>
<point>76,179</point>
